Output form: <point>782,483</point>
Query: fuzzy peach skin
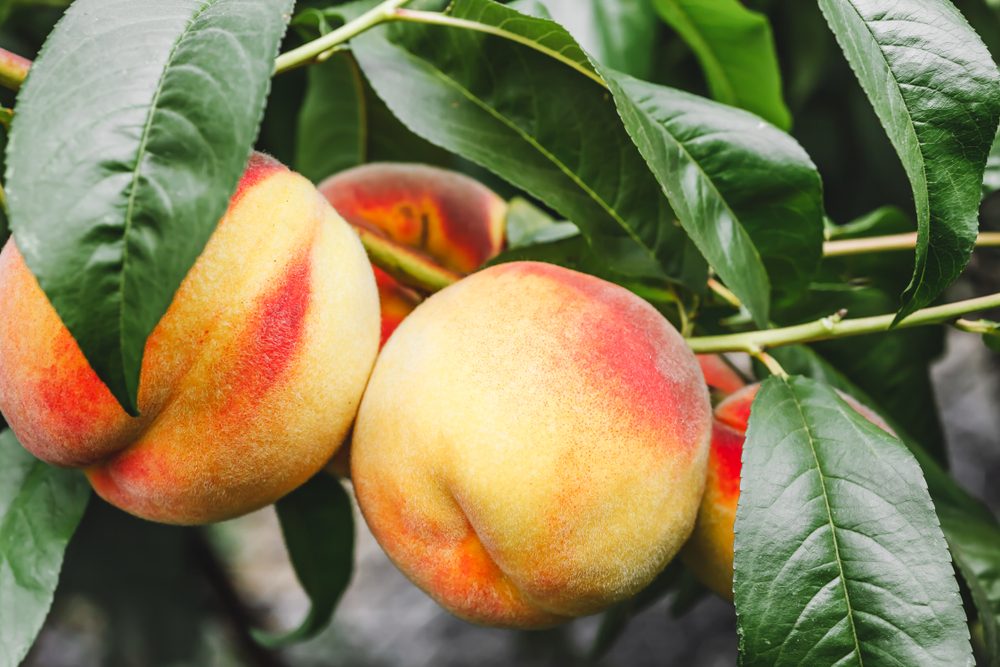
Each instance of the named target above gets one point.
<point>453,219</point>
<point>720,377</point>
<point>532,445</point>
<point>709,552</point>
<point>249,383</point>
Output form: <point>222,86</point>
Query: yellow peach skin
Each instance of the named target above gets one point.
<point>532,445</point>
<point>709,552</point>
<point>249,383</point>
<point>453,220</point>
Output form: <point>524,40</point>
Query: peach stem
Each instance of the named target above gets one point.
<point>405,265</point>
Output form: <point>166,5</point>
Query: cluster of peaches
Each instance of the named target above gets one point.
<point>528,445</point>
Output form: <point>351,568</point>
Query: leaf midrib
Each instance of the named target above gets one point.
<point>833,525</point>
<point>912,130</point>
<point>705,177</point>
<point>133,184</point>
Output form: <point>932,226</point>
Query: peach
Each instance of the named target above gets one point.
<point>453,220</point>
<point>532,445</point>
<point>720,377</point>
<point>249,383</point>
<point>709,552</point>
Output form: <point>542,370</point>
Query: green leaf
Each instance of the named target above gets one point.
<point>343,124</point>
<point>745,192</point>
<point>620,34</point>
<point>529,225</point>
<point>936,90</point>
<point>318,524</point>
<point>894,367</point>
<point>478,97</point>
<point>991,176</point>
<point>992,340</point>
<point>112,203</point>
<point>331,127</point>
<point>839,554</point>
<point>975,546</point>
<point>40,507</point>
<point>969,527</point>
<point>736,51</point>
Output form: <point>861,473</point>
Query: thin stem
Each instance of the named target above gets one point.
<point>893,242</point>
<point>833,327</point>
<point>724,292</point>
<point>405,265</point>
<point>771,363</point>
<point>13,69</point>
<point>434,18</point>
<point>978,326</point>
<point>309,51</point>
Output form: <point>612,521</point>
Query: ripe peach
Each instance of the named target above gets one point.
<point>457,222</point>
<point>709,552</point>
<point>719,375</point>
<point>249,382</point>
<point>532,445</point>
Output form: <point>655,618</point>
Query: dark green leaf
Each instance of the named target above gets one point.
<point>344,124</point>
<point>131,133</point>
<point>479,98</point>
<point>975,546</point>
<point>746,193</point>
<point>971,530</point>
<point>936,90</point>
<point>5,7</point>
<point>893,368</point>
<point>331,127</point>
<point>318,524</point>
<point>991,177</point>
<point>736,51</point>
<point>40,507</point>
<point>803,360</point>
<point>620,34</point>
<point>839,554</point>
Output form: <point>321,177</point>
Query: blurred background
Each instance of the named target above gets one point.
<point>136,593</point>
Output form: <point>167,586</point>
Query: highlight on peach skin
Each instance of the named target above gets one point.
<point>450,219</point>
<point>249,383</point>
<point>532,445</point>
<point>709,552</point>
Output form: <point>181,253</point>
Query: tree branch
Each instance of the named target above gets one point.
<point>753,342</point>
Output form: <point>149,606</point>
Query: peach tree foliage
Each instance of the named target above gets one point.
<point>134,125</point>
